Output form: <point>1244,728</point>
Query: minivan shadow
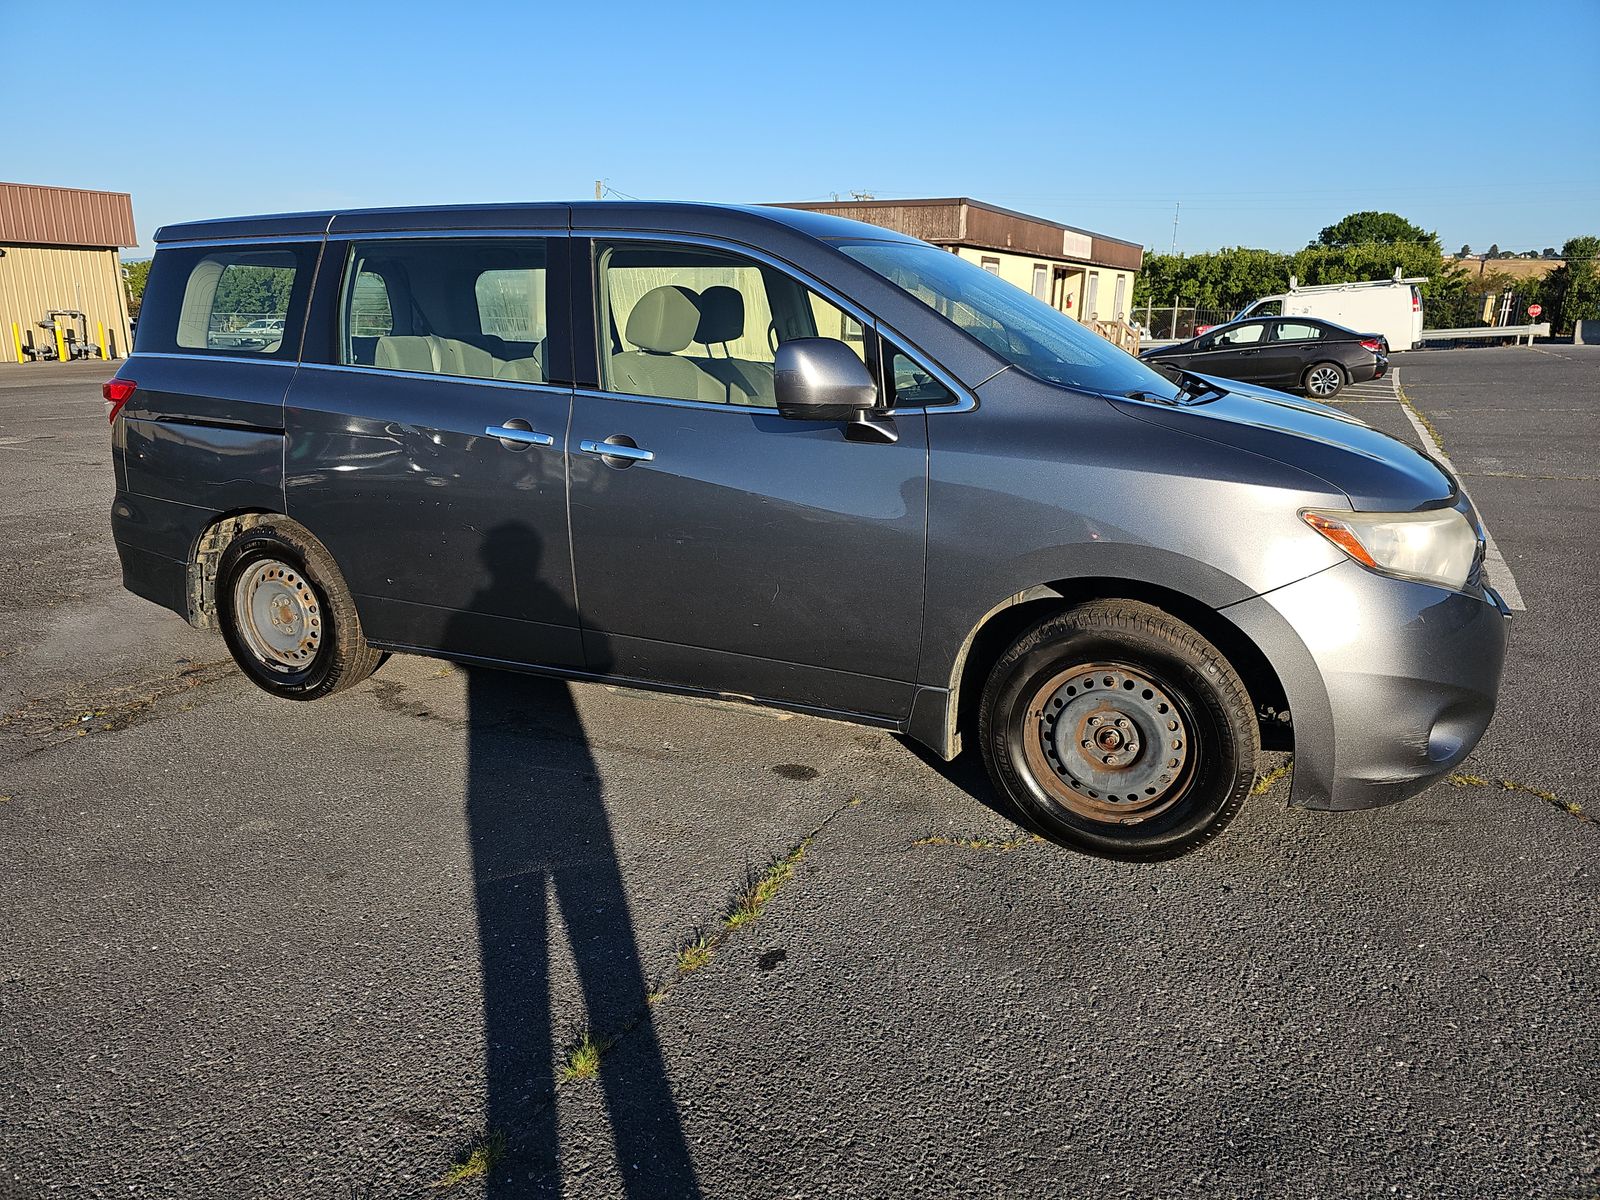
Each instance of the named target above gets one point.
<point>966,773</point>
<point>541,844</point>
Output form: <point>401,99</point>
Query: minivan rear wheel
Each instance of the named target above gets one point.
<point>1118,730</point>
<point>286,615</point>
<point>1324,380</point>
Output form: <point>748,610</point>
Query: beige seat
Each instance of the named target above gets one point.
<point>662,324</point>
<point>432,355</point>
<point>404,353</point>
<point>722,321</point>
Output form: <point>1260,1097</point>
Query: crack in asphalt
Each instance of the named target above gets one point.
<point>65,717</point>
<point>1571,807</point>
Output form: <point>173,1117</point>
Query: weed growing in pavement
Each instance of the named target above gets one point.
<point>476,1161</point>
<point>696,952</point>
<point>1263,784</point>
<point>759,887</point>
<point>583,1056</point>
<point>1571,807</point>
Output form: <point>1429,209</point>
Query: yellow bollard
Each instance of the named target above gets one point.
<point>61,343</point>
<point>102,346</point>
<point>16,339</point>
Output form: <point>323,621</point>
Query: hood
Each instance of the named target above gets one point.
<point>1377,472</point>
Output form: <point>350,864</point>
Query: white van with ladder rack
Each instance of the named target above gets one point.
<point>1389,307</point>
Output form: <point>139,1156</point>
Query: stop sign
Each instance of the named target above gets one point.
<point>1534,310</point>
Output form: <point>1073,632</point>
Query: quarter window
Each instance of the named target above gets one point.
<point>691,323</point>
<point>448,306</point>
<point>237,302</point>
<point>914,386</point>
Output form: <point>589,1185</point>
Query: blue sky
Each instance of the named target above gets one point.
<point>1266,121</point>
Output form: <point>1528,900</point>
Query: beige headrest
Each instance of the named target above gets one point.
<point>664,320</point>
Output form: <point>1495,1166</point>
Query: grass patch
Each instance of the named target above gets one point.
<point>583,1057</point>
<point>759,887</point>
<point>476,1161</point>
<point>1265,782</point>
<point>981,843</point>
<point>696,952</point>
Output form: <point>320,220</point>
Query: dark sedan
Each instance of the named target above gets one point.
<point>1291,353</point>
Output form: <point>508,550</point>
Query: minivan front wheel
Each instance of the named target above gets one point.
<point>1118,730</point>
<point>1324,380</point>
<point>286,615</point>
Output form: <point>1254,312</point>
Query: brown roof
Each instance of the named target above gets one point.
<point>962,221</point>
<point>50,216</point>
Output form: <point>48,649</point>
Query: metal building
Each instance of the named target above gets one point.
<point>61,287</point>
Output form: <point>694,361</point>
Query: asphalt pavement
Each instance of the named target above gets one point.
<point>363,948</point>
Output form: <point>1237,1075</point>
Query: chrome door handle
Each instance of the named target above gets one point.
<point>617,450</point>
<point>510,434</point>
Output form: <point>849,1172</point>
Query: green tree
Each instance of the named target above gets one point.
<point>1375,228</point>
<point>135,274</point>
<point>1465,249</point>
<point>1572,290</point>
<point>1493,251</point>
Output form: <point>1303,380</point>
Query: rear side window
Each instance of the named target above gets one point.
<point>471,308</point>
<point>244,302</point>
<point>1298,331</point>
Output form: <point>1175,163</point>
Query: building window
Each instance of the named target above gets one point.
<point>1121,312</point>
<point>991,265</point>
<point>1091,298</point>
<point>1041,282</point>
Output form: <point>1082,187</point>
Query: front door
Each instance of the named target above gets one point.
<point>1233,352</point>
<point>428,453</point>
<point>717,545</point>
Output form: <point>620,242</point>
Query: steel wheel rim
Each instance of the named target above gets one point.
<point>278,615</point>
<point>1109,743</point>
<point>1324,381</point>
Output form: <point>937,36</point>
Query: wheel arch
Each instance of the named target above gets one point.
<point>206,554</point>
<point>1003,623</point>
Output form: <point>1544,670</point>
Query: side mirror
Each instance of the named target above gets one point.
<point>821,379</point>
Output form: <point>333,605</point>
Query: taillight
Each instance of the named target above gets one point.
<point>1416,299</point>
<point>116,392</point>
<point>1372,344</point>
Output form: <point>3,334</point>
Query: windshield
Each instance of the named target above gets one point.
<point>1026,332</point>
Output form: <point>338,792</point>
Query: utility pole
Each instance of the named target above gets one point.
<point>599,186</point>
<point>1175,209</point>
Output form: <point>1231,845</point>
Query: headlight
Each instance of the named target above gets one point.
<point>1436,546</point>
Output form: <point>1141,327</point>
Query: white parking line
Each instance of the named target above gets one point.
<point>1500,576</point>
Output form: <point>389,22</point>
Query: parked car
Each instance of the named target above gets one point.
<point>1392,307</point>
<point>251,335</point>
<point>786,458</point>
<point>1316,357</point>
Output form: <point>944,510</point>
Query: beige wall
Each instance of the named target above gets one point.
<point>1018,269</point>
<point>35,279</point>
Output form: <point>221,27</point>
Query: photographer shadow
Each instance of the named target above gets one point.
<point>541,843</point>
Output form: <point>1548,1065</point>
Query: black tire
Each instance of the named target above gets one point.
<point>1324,380</point>
<point>1150,671</point>
<point>318,648</point>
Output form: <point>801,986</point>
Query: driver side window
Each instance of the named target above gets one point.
<point>1240,335</point>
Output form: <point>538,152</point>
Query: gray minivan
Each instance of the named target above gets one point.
<point>787,458</point>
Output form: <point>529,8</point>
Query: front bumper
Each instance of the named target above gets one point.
<point>1390,684</point>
